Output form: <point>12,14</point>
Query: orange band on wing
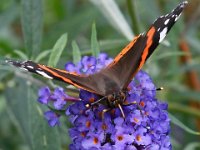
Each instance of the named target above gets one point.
<point>64,78</point>
<point>150,35</point>
<point>124,51</point>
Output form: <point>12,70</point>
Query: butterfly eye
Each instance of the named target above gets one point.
<point>111,97</point>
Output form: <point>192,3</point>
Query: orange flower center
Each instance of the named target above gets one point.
<point>120,138</point>
<point>104,126</point>
<point>136,120</point>
<point>83,134</point>
<point>142,103</point>
<point>138,138</point>
<point>91,100</point>
<point>88,123</point>
<point>95,140</point>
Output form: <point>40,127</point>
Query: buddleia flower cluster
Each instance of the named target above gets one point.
<point>146,125</point>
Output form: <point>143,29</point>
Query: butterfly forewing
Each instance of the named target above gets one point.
<point>132,58</point>
<point>79,81</point>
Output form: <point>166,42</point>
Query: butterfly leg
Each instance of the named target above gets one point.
<point>122,112</point>
<point>129,104</point>
<point>105,111</point>
<point>138,106</point>
<point>109,109</point>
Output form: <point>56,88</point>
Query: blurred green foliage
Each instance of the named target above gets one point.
<point>29,29</point>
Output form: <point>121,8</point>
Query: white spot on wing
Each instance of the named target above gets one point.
<point>30,67</point>
<point>163,34</point>
<point>44,74</point>
<point>177,17</point>
<point>166,21</point>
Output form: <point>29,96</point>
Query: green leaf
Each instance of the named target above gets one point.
<point>115,17</point>
<point>169,54</point>
<point>21,54</point>
<point>76,52</point>
<point>184,109</point>
<point>192,146</point>
<point>29,118</point>
<point>57,50</point>
<point>32,25</point>
<point>42,55</point>
<point>94,41</point>
<point>181,125</point>
<point>187,95</point>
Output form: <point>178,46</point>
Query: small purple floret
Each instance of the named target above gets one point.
<point>52,118</point>
<point>44,95</point>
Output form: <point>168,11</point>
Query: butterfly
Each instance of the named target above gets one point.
<point>111,82</point>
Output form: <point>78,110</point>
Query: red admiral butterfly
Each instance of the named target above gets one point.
<point>111,82</point>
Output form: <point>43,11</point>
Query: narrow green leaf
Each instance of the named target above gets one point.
<point>133,14</point>
<point>184,109</point>
<point>29,117</point>
<point>42,55</point>
<point>187,95</point>
<point>115,17</point>
<point>192,146</point>
<point>21,54</point>
<point>169,54</point>
<point>181,125</point>
<point>94,41</point>
<point>57,50</point>
<point>32,25</point>
<point>76,52</point>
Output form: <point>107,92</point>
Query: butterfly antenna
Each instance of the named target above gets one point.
<point>159,89</point>
<point>96,102</point>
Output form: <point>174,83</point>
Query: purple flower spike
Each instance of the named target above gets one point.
<point>146,125</point>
